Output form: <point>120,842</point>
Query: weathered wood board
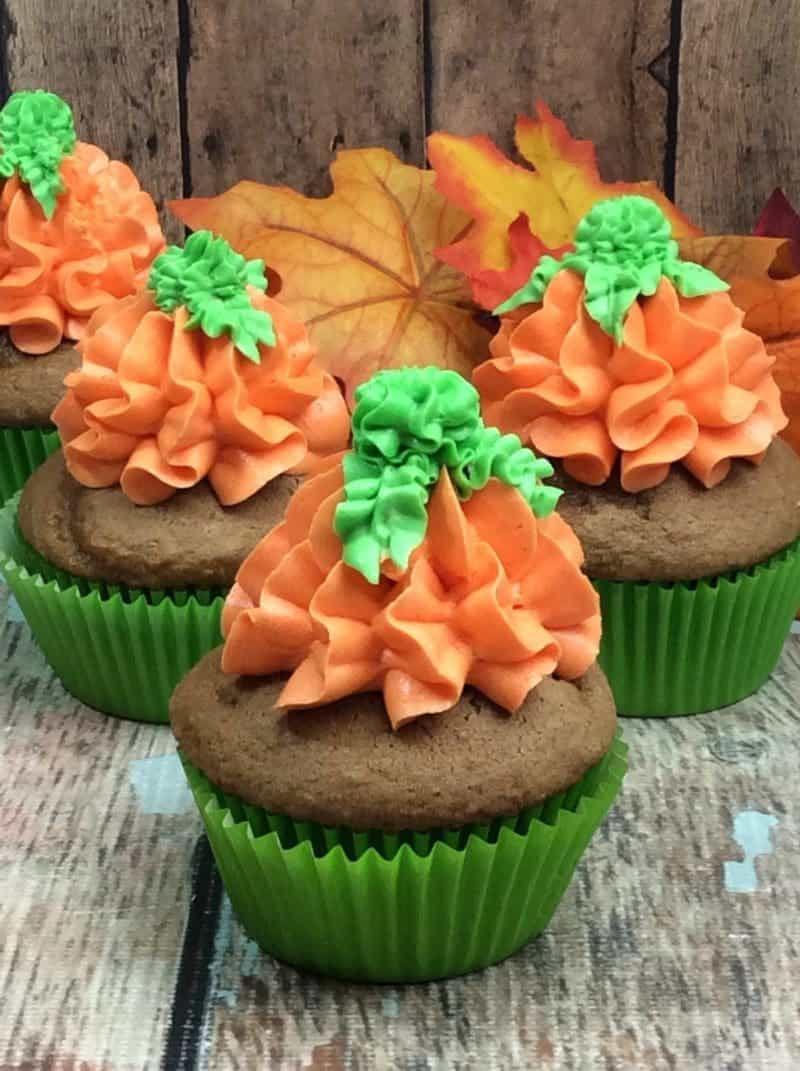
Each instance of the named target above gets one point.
<point>197,95</point>
<point>272,93</point>
<point>738,123</point>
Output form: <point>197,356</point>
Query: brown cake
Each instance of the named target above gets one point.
<point>31,386</point>
<point>189,541</point>
<point>679,530</point>
<point>343,765</point>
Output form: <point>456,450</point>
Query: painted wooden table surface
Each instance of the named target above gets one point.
<point>677,945</point>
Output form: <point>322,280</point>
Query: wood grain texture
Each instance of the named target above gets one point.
<point>273,90</point>
<point>94,876</point>
<point>115,62</point>
<point>739,109</point>
<point>589,63</point>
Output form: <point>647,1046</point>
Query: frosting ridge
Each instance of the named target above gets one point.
<point>623,248</point>
<point>493,596</point>
<point>36,133</point>
<point>211,281</point>
<point>686,384</point>
<point>96,246</point>
<point>408,425</point>
<point>156,407</point>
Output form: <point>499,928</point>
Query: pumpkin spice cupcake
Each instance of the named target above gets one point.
<point>405,744</point>
<point>76,231</point>
<point>195,401</point>
<point>631,370</point>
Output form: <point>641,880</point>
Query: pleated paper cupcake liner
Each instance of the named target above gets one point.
<point>120,650</point>
<point>404,907</point>
<point>22,450</point>
<point>686,648</point>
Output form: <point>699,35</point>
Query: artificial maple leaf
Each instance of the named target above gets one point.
<point>787,375</point>
<point>474,174</point>
<point>771,304</point>
<point>358,266</point>
<point>491,287</point>
<point>733,256</point>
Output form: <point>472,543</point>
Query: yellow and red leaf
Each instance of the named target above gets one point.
<point>494,191</point>
<point>490,287</point>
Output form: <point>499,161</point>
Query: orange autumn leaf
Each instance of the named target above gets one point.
<point>771,304</point>
<point>358,266</point>
<point>564,184</point>
<point>787,376</point>
<point>732,255</point>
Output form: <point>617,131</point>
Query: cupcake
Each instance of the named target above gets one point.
<point>405,743</point>
<point>630,369</point>
<point>194,403</point>
<point>76,232</point>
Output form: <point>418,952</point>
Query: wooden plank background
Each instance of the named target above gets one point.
<point>702,95</point>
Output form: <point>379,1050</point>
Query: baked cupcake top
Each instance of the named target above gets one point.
<point>621,351</point>
<point>76,229</point>
<point>427,558</point>
<point>199,376</point>
<point>342,764</point>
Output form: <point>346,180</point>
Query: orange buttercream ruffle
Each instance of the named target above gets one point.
<point>156,408</point>
<point>98,246</point>
<point>688,384</point>
<point>493,597</point>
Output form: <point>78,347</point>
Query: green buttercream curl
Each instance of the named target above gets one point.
<point>408,425</point>
<point>36,133</point>
<point>504,457</point>
<point>623,247</point>
<point>210,280</point>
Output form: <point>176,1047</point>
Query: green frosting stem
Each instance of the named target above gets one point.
<point>504,457</point>
<point>408,425</point>
<point>384,512</point>
<point>623,248</point>
<point>36,133</point>
<point>210,280</point>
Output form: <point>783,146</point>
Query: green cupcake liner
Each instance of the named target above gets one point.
<point>402,907</point>
<point>22,450</point>
<point>686,648</point>
<point>120,650</point>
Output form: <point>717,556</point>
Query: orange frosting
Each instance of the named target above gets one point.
<point>495,605</point>
<point>156,408</point>
<point>688,384</point>
<point>98,246</point>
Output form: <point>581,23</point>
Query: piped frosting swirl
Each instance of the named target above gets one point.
<point>491,595</point>
<point>165,399</point>
<point>634,370</point>
<point>76,229</point>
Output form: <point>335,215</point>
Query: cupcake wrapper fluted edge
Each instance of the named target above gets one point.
<point>22,450</point>
<point>121,651</point>
<point>686,648</point>
<point>402,907</point>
